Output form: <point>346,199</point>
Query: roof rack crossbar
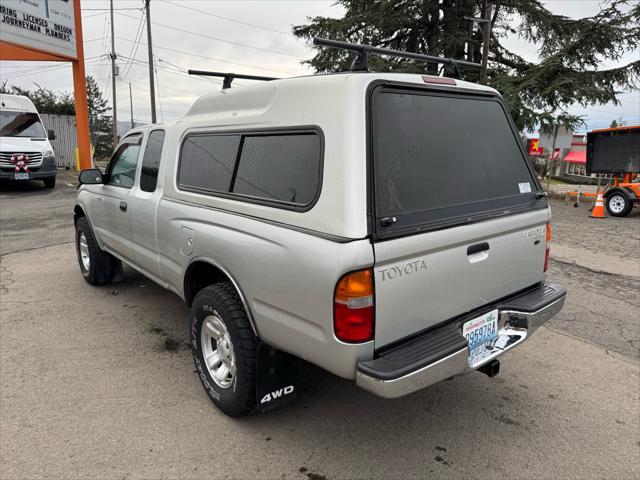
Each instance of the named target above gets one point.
<point>361,64</point>
<point>228,77</point>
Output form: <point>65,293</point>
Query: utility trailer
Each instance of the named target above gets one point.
<point>617,151</point>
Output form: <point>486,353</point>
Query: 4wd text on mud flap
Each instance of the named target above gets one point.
<point>281,392</point>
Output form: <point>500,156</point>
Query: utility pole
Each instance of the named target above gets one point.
<point>131,103</point>
<point>551,161</point>
<point>113,80</point>
<point>152,88</point>
<point>486,33</point>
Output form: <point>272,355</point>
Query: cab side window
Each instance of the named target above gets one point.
<point>122,168</point>
<point>151,161</point>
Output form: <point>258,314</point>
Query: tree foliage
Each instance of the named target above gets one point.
<point>571,51</point>
<point>44,99</point>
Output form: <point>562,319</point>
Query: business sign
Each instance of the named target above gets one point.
<point>534,149</point>
<point>45,25</point>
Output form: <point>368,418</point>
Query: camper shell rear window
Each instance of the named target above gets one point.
<point>442,158</point>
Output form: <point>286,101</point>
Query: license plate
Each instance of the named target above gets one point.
<point>22,176</point>
<point>481,333</point>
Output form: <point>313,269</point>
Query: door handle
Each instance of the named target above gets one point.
<point>477,248</point>
<point>123,206</point>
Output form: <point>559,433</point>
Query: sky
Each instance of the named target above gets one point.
<point>240,36</point>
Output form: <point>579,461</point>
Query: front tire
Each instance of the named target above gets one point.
<point>224,349</point>
<point>49,182</point>
<point>619,204</point>
<point>96,265</point>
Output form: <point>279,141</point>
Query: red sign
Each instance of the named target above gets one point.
<point>534,149</point>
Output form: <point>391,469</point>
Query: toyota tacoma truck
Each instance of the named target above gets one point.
<point>387,228</point>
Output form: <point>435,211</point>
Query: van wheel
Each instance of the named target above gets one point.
<point>224,349</point>
<point>96,265</point>
<point>50,182</point>
<point>619,204</point>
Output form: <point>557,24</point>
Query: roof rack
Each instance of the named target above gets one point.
<point>361,62</point>
<point>229,77</point>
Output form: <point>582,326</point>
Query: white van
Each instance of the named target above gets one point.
<point>25,150</point>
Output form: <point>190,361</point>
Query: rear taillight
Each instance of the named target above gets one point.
<point>353,315</point>
<point>546,253</point>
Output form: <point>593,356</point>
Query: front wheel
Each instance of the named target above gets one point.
<point>96,265</point>
<point>49,182</point>
<point>224,349</point>
<point>619,204</point>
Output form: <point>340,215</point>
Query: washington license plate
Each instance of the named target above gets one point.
<point>21,176</point>
<point>480,334</point>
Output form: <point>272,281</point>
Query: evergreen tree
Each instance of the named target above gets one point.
<point>538,93</point>
<point>100,121</point>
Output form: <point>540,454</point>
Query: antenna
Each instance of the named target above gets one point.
<point>361,63</point>
<point>228,77</point>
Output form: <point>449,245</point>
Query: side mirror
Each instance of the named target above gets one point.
<point>51,134</point>
<point>90,176</point>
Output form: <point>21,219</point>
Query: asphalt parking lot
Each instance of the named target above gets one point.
<point>99,382</point>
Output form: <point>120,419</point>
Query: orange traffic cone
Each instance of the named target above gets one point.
<point>598,208</point>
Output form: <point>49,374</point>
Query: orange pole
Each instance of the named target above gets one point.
<point>80,94</point>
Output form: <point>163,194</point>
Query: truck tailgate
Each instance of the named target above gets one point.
<point>458,215</point>
<point>423,280</point>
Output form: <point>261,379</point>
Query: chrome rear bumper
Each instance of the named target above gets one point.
<point>518,318</point>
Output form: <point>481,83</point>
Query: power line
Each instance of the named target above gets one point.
<point>176,70</point>
<point>103,69</point>
<point>158,85</point>
<point>115,9</point>
<point>94,40</point>
<point>92,15</point>
<point>211,58</point>
<point>185,72</point>
<point>142,87</point>
<point>228,19</point>
<point>134,47</point>
<point>41,69</point>
<point>218,39</point>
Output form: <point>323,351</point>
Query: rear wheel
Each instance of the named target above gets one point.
<point>224,349</point>
<point>50,182</point>
<point>619,204</point>
<point>96,265</point>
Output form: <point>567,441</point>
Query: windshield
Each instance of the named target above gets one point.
<point>20,124</point>
<point>442,159</point>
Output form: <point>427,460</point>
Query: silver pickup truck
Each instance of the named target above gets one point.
<point>388,228</point>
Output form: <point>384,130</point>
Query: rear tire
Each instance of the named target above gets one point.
<point>50,182</point>
<point>224,349</point>
<point>96,265</point>
<point>619,204</point>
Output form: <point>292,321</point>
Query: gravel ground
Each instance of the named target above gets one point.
<point>612,236</point>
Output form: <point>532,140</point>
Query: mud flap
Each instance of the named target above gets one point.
<point>277,378</point>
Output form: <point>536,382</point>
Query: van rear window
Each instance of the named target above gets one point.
<point>441,159</point>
